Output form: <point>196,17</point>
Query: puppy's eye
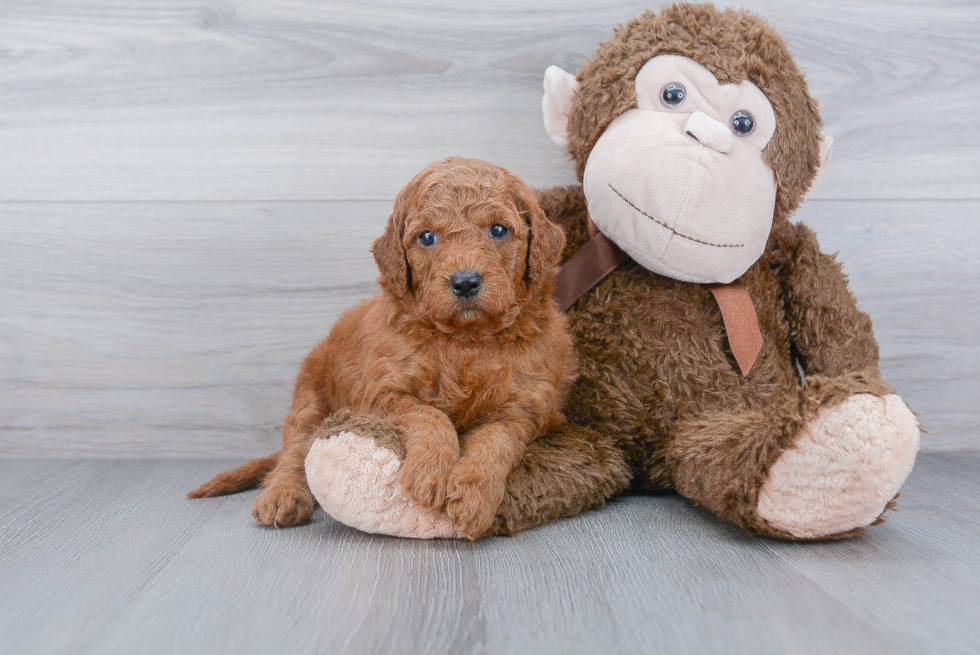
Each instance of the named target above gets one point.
<point>498,231</point>
<point>673,95</point>
<point>742,123</point>
<point>427,238</point>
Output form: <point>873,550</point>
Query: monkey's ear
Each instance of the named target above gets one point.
<point>389,249</point>
<point>545,240</point>
<point>826,149</point>
<point>559,93</point>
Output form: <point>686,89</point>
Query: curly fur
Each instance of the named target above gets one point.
<point>466,384</point>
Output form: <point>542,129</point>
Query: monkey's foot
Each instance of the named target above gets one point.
<point>355,480</point>
<point>843,469</point>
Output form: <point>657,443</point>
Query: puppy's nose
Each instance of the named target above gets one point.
<point>465,283</point>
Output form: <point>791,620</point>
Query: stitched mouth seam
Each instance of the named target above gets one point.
<point>673,231</point>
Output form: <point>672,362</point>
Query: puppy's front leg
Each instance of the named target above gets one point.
<point>431,450</point>
<point>476,485</point>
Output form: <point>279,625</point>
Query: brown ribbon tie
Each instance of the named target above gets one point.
<point>586,268</point>
<point>600,257</point>
<point>741,322</point>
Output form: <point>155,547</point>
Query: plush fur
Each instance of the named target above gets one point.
<point>465,382</point>
<point>656,370</point>
<point>660,404</point>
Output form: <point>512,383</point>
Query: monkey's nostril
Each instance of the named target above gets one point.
<point>465,284</point>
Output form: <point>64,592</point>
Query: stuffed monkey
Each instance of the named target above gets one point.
<point>695,137</point>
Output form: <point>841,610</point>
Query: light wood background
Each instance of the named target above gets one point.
<point>188,191</point>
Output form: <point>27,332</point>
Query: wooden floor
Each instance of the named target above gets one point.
<point>103,556</point>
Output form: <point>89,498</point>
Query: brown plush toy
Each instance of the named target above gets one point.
<point>695,138</point>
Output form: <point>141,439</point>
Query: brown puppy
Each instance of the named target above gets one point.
<point>462,351</point>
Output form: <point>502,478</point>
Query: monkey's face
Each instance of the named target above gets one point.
<point>679,182</point>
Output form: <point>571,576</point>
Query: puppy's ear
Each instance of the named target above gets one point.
<point>545,240</point>
<point>389,249</point>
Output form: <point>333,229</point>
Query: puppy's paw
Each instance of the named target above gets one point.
<point>283,506</point>
<point>425,476</point>
<point>473,500</point>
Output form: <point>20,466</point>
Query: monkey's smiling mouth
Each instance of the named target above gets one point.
<point>672,230</point>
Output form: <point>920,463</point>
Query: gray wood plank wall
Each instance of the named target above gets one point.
<point>188,191</point>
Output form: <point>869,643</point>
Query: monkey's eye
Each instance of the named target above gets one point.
<point>742,123</point>
<point>673,95</point>
<point>427,238</point>
<point>498,231</point>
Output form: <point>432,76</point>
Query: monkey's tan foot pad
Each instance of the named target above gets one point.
<point>355,480</point>
<point>843,469</point>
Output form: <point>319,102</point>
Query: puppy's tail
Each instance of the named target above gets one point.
<point>247,476</point>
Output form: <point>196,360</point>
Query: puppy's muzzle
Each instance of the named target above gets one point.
<point>465,284</point>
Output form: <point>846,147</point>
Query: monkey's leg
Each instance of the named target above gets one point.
<point>565,472</point>
<point>352,469</point>
<point>819,462</point>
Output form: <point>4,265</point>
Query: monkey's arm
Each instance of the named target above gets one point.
<point>830,335</point>
<point>566,206</point>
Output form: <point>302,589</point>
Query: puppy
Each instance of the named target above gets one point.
<point>462,351</point>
